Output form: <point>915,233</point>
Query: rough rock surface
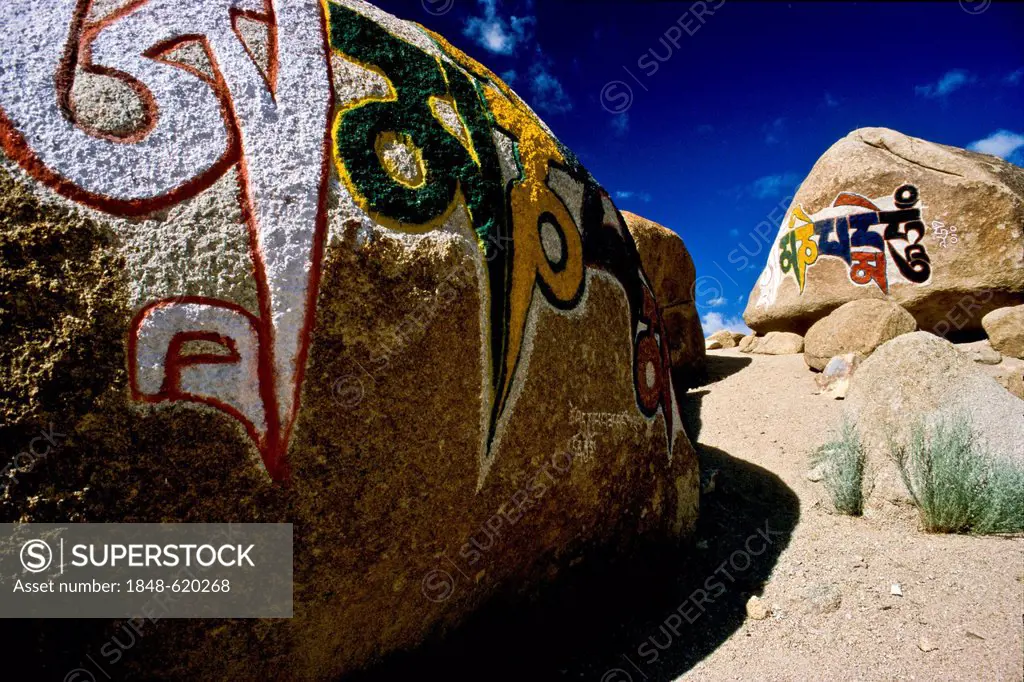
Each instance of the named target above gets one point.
<point>723,338</point>
<point>963,259</point>
<point>670,268</point>
<point>834,380</point>
<point>918,378</point>
<point>1005,330</point>
<point>776,343</point>
<point>981,352</point>
<point>1009,373</point>
<point>856,327</point>
<point>746,341</point>
<point>266,313</point>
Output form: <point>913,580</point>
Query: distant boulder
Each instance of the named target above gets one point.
<point>776,343</point>
<point>1005,330</point>
<point>672,274</point>
<point>1009,373</point>
<point>723,338</point>
<point>858,326</point>
<point>937,229</point>
<point>981,352</point>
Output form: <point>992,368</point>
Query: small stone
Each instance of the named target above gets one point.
<point>816,474</point>
<point>821,598</point>
<point>926,645</point>
<point>973,633</point>
<point>896,590</point>
<point>757,609</point>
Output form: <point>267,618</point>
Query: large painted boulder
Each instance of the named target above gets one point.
<point>673,276</point>
<point>936,229</point>
<point>293,261</point>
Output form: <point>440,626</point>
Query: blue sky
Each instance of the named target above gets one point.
<point>706,124</point>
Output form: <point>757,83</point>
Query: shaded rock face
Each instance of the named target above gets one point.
<point>385,305</point>
<point>1005,330</point>
<point>920,378</point>
<point>672,274</point>
<point>855,327</point>
<point>936,229</point>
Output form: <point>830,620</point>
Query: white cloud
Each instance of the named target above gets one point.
<point>714,322</point>
<point>1002,143</point>
<point>626,195</point>
<point>950,82</point>
<point>547,93</point>
<point>771,186</point>
<point>717,302</point>
<point>620,124</point>
<point>773,130</point>
<point>506,36</point>
<point>1014,77</point>
<point>494,32</point>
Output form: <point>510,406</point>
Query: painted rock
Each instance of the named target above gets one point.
<point>1005,330</point>
<point>308,263</point>
<point>936,229</point>
<point>858,326</point>
<point>673,278</point>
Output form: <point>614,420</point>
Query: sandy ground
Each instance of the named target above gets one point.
<point>964,596</point>
<point>765,529</point>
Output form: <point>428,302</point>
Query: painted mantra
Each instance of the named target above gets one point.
<point>856,230</point>
<point>443,135</point>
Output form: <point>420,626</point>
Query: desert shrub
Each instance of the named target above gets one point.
<point>843,461</point>
<point>956,484</point>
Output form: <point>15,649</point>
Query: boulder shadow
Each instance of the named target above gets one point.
<point>718,367</point>
<point>650,616</point>
<point>689,411</point>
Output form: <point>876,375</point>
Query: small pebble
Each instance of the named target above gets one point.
<point>757,609</point>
